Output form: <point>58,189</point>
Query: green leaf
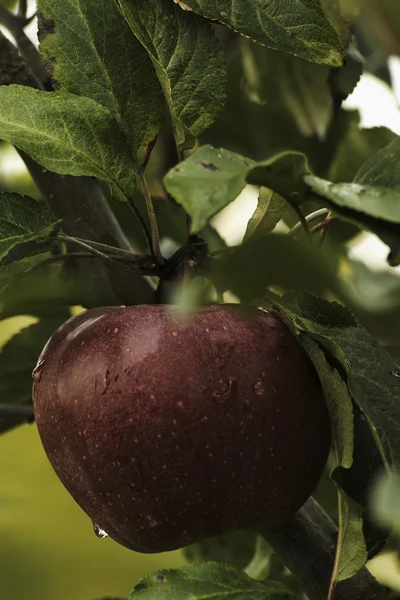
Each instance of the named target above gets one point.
<point>296,26</point>
<point>373,378</point>
<point>235,548</point>
<point>188,60</point>
<point>206,182</point>
<point>300,87</point>
<point>351,551</point>
<point>18,358</point>
<point>274,259</point>
<point>353,471</point>
<point>377,202</point>
<point>355,149</point>
<point>342,14</point>
<point>270,210</point>
<point>376,188</point>
<point>67,134</point>
<point>91,52</point>
<point>385,501</point>
<point>343,81</point>
<point>357,481</point>
<point>22,221</point>
<point>372,201</point>
<point>211,178</point>
<point>208,581</point>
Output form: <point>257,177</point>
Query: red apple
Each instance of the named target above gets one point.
<point>167,433</point>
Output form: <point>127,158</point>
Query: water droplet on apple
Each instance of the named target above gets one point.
<point>38,371</point>
<point>99,531</point>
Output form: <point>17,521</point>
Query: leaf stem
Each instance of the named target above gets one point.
<point>155,236</point>
<point>143,263</point>
<point>318,214</point>
<point>323,225</point>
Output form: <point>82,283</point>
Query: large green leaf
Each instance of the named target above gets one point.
<point>375,191</point>
<point>355,149</point>
<point>300,87</point>
<point>296,26</point>
<point>22,221</point>
<point>212,178</point>
<point>342,13</point>
<point>373,377</point>
<point>91,52</point>
<point>329,332</point>
<point>206,182</point>
<point>208,581</point>
<point>67,134</point>
<point>351,550</point>
<point>18,358</point>
<point>189,62</point>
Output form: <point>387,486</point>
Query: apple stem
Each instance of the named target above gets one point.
<point>307,546</point>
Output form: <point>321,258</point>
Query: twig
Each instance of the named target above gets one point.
<point>318,214</point>
<point>155,236</point>
<point>307,544</point>
<point>144,263</point>
<point>323,225</point>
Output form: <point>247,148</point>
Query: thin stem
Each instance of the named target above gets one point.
<point>318,214</point>
<point>144,264</point>
<point>142,223</point>
<point>155,236</point>
<point>15,25</point>
<point>303,221</point>
<point>323,225</point>
<point>112,250</point>
<point>16,410</point>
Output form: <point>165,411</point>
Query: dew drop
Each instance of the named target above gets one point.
<point>259,387</point>
<point>396,373</point>
<point>37,372</point>
<point>100,533</point>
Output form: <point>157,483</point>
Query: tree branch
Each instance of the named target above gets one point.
<point>15,25</point>
<point>307,545</point>
<point>17,410</point>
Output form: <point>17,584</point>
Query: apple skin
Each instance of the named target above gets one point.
<point>166,434</point>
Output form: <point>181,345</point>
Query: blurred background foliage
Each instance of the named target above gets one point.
<point>47,547</point>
